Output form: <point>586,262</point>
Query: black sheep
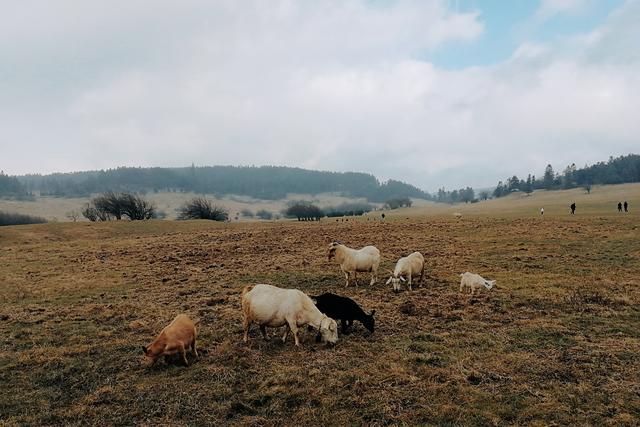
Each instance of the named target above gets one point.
<point>345,309</point>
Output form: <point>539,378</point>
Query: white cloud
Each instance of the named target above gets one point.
<point>550,8</point>
<point>327,85</point>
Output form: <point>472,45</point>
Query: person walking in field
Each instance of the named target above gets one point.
<point>573,208</point>
<point>541,211</point>
<point>626,206</point>
<point>619,206</point>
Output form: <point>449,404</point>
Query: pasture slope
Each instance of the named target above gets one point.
<point>602,200</point>
<point>557,342</point>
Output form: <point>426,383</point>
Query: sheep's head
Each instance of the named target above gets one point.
<point>489,284</point>
<point>152,353</point>
<point>396,281</point>
<point>332,250</point>
<point>329,330</point>
<point>369,322</point>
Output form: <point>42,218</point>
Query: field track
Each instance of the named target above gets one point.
<point>557,342</point>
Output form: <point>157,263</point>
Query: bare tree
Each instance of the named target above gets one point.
<point>201,208</point>
<point>116,205</point>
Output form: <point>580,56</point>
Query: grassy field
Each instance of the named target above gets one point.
<point>557,342</point>
<point>602,200</point>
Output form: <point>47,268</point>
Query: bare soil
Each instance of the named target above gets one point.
<point>556,342</point>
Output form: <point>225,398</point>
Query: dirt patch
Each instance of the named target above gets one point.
<point>555,342</point>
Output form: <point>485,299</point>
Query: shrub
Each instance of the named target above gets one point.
<point>303,211</point>
<point>136,208</point>
<point>398,203</point>
<point>7,218</point>
<point>116,205</point>
<point>264,214</point>
<point>345,209</point>
<point>201,208</point>
<point>91,212</point>
<point>247,213</point>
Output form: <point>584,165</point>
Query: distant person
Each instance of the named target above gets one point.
<point>573,208</point>
<point>541,211</point>
<point>619,206</point>
<point>626,206</point>
<point>383,217</point>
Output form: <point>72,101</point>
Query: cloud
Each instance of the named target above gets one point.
<point>550,8</point>
<point>326,85</point>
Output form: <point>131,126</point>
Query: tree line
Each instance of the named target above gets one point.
<point>623,169</point>
<point>264,182</point>
<point>272,183</point>
<point>11,187</point>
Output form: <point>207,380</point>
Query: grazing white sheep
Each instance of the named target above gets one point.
<point>458,215</point>
<point>474,282</point>
<point>409,267</point>
<point>271,306</point>
<point>356,261</point>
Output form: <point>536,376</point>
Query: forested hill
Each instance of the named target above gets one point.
<point>265,182</point>
<point>618,170</point>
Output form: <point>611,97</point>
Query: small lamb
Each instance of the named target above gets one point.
<point>475,282</point>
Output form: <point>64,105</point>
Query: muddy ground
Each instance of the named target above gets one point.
<point>556,342</point>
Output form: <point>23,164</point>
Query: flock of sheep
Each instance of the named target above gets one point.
<point>270,306</point>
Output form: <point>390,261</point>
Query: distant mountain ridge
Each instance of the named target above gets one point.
<point>260,182</point>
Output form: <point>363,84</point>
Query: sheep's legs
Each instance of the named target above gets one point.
<point>355,278</point>
<point>345,325</point>
<point>246,324</point>
<point>421,276</point>
<point>374,278</point>
<point>294,330</point>
<point>347,276</point>
<point>183,353</point>
<point>286,333</point>
<point>263,329</point>
<point>193,348</point>
<point>293,327</point>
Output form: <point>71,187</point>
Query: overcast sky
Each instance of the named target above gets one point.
<point>436,93</point>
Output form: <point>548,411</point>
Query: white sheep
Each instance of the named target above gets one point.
<point>354,261</point>
<point>409,267</point>
<point>271,306</point>
<point>474,282</point>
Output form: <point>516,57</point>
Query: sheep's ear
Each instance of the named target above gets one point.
<point>402,278</point>
<point>388,281</point>
<point>144,350</point>
<point>315,300</point>
<point>372,313</point>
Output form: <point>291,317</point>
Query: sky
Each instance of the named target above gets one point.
<point>435,93</point>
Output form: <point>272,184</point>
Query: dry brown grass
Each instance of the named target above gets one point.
<point>557,342</point>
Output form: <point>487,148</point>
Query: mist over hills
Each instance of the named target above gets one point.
<point>263,182</point>
<point>276,182</point>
